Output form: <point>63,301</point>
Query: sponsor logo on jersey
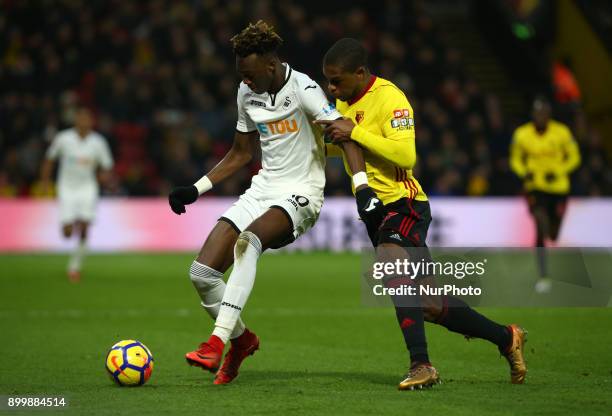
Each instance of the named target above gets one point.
<point>257,103</point>
<point>82,160</point>
<point>278,127</point>
<point>405,123</point>
<point>401,119</point>
<point>359,116</point>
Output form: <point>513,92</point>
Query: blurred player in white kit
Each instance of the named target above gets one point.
<point>81,153</point>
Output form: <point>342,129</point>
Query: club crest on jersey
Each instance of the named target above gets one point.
<point>287,102</point>
<point>359,116</point>
<point>278,127</point>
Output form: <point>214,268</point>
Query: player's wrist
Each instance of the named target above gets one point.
<point>203,185</point>
<point>360,179</point>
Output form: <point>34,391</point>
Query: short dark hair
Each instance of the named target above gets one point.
<point>348,53</point>
<point>258,38</point>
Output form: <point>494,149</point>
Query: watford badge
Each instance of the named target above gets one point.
<point>359,116</point>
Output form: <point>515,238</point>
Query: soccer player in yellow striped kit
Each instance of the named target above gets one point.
<point>393,206</point>
<point>543,154</point>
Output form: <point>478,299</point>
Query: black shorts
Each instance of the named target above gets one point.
<point>553,205</point>
<point>405,223</point>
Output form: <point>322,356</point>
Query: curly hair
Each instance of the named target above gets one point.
<point>258,38</point>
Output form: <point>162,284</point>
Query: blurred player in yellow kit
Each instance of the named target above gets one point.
<point>543,154</point>
<point>378,117</point>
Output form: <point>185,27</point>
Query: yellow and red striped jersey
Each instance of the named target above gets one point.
<point>549,157</point>
<point>384,127</point>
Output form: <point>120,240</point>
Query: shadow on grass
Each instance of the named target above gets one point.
<point>318,377</point>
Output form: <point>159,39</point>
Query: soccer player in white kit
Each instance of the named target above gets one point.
<point>81,152</point>
<point>278,105</point>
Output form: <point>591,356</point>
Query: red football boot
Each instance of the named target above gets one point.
<point>208,355</point>
<point>74,276</point>
<point>243,346</point>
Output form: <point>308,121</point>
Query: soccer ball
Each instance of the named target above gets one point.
<point>129,363</point>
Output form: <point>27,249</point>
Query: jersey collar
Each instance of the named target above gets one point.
<point>365,90</point>
<point>287,76</point>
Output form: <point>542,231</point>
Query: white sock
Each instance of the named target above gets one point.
<point>76,259</point>
<point>209,284</point>
<point>239,285</point>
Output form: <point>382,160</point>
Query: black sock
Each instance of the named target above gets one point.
<point>541,231</point>
<point>411,322</point>
<point>457,316</point>
<point>541,257</point>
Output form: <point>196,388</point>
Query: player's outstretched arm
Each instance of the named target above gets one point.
<point>239,155</point>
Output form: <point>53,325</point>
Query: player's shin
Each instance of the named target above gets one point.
<point>410,318</point>
<point>77,256</point>
<point>209,284</point>
<point>239,285</point>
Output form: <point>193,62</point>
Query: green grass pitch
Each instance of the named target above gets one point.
<point>322,352</point>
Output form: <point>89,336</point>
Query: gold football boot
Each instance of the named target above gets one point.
<point>419,376</point>
<point>514,354</point>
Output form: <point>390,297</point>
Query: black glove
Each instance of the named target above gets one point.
<point>371,210</point>
<point>181,196</point>
<point>369,207</point>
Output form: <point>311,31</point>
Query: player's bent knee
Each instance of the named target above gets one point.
<point>217,252</point>
<point>209,284</point>
<point>204,278</point>
<point>246,239</point>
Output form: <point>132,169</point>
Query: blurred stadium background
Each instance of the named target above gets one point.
<point>160,77</point>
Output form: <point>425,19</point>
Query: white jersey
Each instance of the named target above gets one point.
<point>79,158</point>
<point>292,148</point>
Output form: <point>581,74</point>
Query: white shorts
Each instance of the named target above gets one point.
<point>77,205</point>
<point>303,210</point>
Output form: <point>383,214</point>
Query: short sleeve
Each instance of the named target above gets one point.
<point>244,123</point>
<point>315,103</point>
<point>56,147</point>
